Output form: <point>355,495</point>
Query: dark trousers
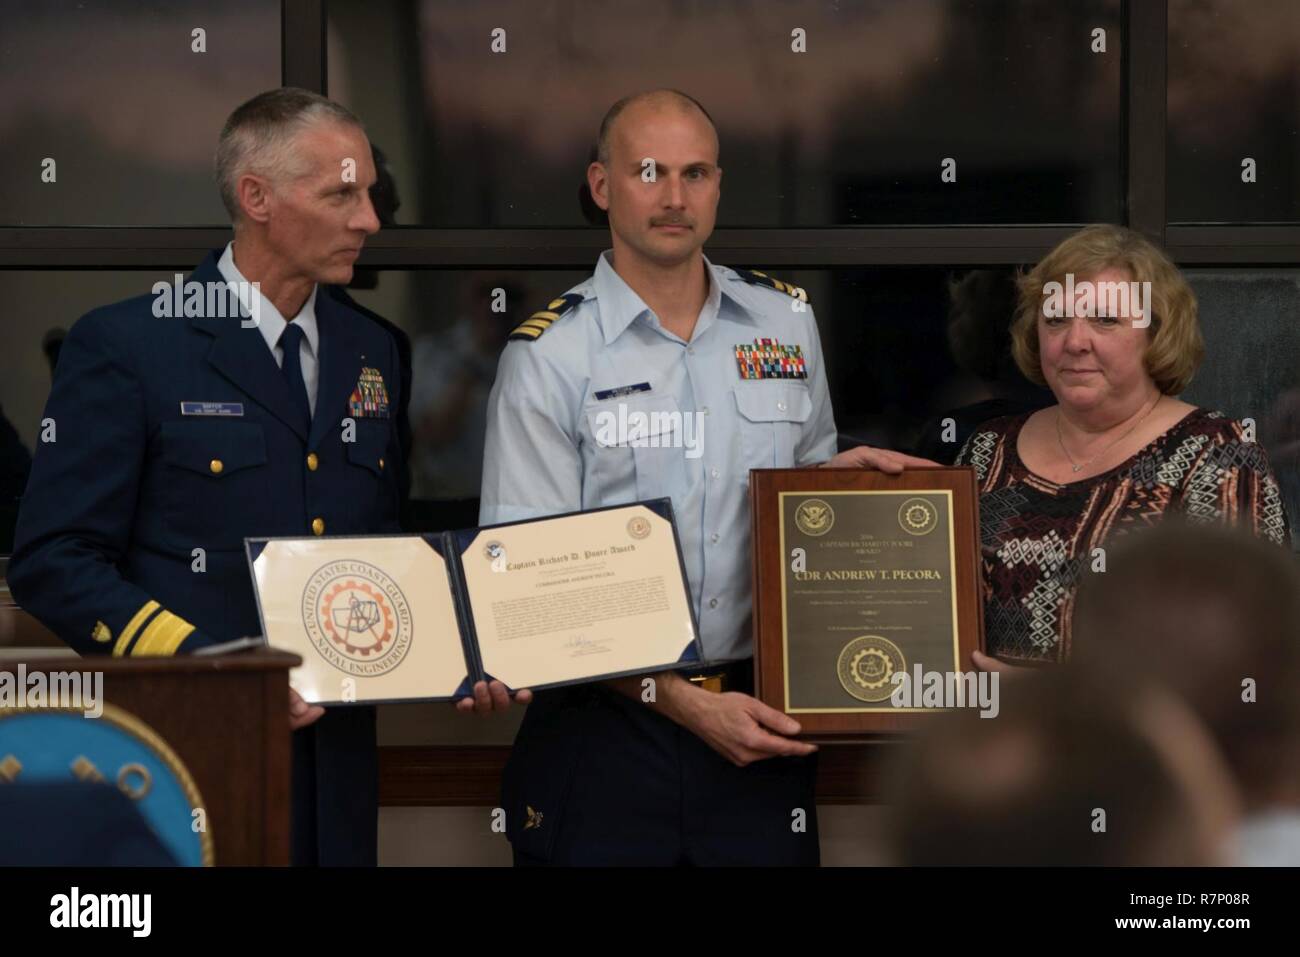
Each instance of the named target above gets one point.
<point>335,788</point>
<point>596,778</point>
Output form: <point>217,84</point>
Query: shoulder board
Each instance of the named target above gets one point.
<point>762,279</point>
<point>533,327</point>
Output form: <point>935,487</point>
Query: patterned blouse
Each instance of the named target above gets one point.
<point>1037,537</point>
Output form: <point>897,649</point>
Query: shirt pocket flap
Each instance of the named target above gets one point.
<point>215,449</point>
<point>368,448</point>
<point>774,403</point>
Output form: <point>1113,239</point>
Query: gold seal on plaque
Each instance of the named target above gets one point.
<point>814,517</point>
<point>638,526</point>
<point>917,516</point>
<point>867,666</point>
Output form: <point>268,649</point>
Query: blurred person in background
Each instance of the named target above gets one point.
<point>1214,615</point>
<point>1072,771</point>
<point>988,383</point>
<point>455,367</point>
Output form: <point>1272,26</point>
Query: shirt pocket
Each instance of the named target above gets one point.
<point>367,496</point>
<point>772,417</point>
<point>537,783</point>
<point>637,448</point>
<point>214,479</point>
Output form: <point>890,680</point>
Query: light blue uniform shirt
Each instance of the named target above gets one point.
<point>554,445</point>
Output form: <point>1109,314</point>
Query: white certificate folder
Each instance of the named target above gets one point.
<point>550,601</point>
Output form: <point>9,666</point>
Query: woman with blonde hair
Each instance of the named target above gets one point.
<point>1107,323</point>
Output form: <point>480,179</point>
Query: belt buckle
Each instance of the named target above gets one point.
<point>715,681</point>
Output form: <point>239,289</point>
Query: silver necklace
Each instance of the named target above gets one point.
<point>1079,467</point>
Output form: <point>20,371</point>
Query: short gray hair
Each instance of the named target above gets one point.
<point>258,135</point>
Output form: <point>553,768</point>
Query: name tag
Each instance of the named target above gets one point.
<point>212,408</point>
<point>622,391</point>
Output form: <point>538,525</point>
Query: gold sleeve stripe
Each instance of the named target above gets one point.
<point>536,324</point>
<point>162,636</point>
<point>763,279</point>
<point>168,644</point>
<point>132,626</point>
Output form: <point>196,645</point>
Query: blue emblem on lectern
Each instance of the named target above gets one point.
<point>52,744</point>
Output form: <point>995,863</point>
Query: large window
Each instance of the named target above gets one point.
<point>489,110</point>
<point>906,349</point>
<point>835,121</point>
<point>1234,105</point>
<point>111,108</point>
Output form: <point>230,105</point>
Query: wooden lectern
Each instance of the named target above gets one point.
<point>227,720</point>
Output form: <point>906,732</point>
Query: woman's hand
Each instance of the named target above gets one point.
<point>988,663</point>
<point>885,460</point>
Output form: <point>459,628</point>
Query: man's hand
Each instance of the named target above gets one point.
<point>885,460</point>
<point>301,713</point>
<point>740,728</point>
<point>491,697</point>
<point>743,729</point>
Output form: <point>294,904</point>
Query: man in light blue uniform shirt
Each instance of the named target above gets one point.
<point>663,375</point>
<point>553,433</point>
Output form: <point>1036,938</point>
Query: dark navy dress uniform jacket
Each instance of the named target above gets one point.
<point>129,488</point>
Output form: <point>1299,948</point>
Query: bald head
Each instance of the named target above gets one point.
<point>657,178</point>
<point>645,103</point>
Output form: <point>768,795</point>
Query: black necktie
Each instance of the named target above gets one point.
<point>290,342</point>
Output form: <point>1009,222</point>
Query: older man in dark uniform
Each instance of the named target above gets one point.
<point>174,433</point>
